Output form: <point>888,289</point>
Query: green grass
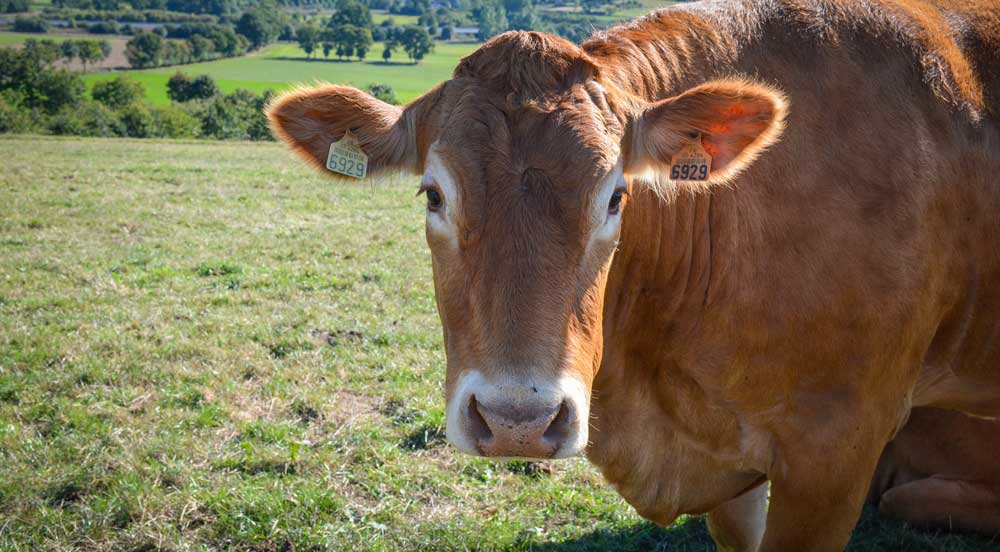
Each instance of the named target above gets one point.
<point>18,38</point>
<point>206,346</point>
<point>401,20</point>
<point>280,66</point>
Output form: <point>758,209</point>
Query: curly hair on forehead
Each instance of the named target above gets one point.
<point>528,68</point>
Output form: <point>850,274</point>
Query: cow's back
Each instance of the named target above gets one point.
<point>890,167</point>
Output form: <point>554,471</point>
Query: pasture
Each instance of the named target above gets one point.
<point>207,346</point>
<point>279,66</point>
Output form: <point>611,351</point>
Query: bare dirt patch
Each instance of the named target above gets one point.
<point>116,60</point>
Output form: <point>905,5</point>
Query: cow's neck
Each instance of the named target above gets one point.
<point>658,412</point>
<point>663,53</point>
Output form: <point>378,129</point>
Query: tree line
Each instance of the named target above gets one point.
<point>186,43</point>
<point>350,32</point>
<point>37,96</point>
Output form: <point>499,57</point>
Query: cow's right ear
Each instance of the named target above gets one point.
<point>732,120</point>
<point>311,119</point>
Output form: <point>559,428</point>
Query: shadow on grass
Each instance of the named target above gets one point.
<point>873,533</point>
<point>313,60</point>
<point>687,535</point>
<point>327,60</point>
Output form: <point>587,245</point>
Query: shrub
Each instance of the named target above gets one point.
<point>13,118</point>
<point>178,87</point>
<point>118,92</point>
<point>202,88</point>
<point>58,88</point>
<point>103,27</point>
<point>383,92</point>
<point>30,25</point>
<point>182,88</point>
<point>236,116</point>
<point>173,122</point>
<point>99,120</point>
<point>138,121</point>
<point>67,121</point>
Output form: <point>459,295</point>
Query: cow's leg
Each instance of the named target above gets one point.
<point>946,504</point>
<point>818,488</point>
<point>738,525</point>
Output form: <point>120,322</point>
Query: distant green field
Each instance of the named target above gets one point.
<point>18,38</point>
<point>399,19</point>
<point>280,66</point>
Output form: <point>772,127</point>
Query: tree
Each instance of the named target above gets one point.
<point>327,46</point>
<point>70,50</point>
<point>118,92</point>
<point>178,87</point>
<point>387,52</point>
<point>182,88</point>
<point>416,41</point>
<point>261,24</point>
<point>58,88</point>
<point>350,39</point>
<point>14,6</point>
<point>351,12</point>
<point>91,51</point>
<point>202,88</point>
<point>45,52</point>
<point>201,47</point>
<point>383,92</point>
<point>492,20</point>
<point>145,50</point>
<point>591,6</point>
<point>308,37</point>
<point>522,15</point>
<point>445,33</point>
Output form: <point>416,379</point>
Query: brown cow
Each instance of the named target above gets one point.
<point>776,323</point>
<point>942,471</point>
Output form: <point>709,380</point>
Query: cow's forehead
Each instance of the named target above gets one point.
<point>565,142</point>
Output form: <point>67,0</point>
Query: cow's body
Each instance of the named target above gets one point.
<point>777,324</point>
<point>786,324</point>
<point>941,471</point>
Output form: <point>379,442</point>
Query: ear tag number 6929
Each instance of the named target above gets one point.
<point>691,164</point>
<point>346,157</point>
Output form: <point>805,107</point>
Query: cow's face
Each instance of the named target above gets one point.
<point>525,158</point>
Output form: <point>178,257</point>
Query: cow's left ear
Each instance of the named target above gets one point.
<point>734,120</point>
<point>311,119</point>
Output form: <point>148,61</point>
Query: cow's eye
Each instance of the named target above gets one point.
<point>434,201</point>
<point>615,204</point>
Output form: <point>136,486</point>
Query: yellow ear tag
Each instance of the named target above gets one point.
<point>346,157</point>
<point>691,164</point>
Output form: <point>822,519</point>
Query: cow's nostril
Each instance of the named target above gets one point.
<point>561,426</point>
<point>477,425</point>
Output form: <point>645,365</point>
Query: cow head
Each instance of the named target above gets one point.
<point>526,158</point>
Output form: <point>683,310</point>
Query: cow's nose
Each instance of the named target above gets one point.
<point>524,430</point>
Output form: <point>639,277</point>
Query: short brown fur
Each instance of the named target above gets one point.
<point>780,327</point>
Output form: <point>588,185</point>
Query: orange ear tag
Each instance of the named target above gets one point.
<point>691,164</point>
<point>346,157</point>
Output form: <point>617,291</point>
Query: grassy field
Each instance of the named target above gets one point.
<point>279,66</point>
<point>205,346</point>
<point>18,38</point>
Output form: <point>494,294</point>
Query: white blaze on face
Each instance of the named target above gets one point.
<point>443,222</point>
<point>604,224</point>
